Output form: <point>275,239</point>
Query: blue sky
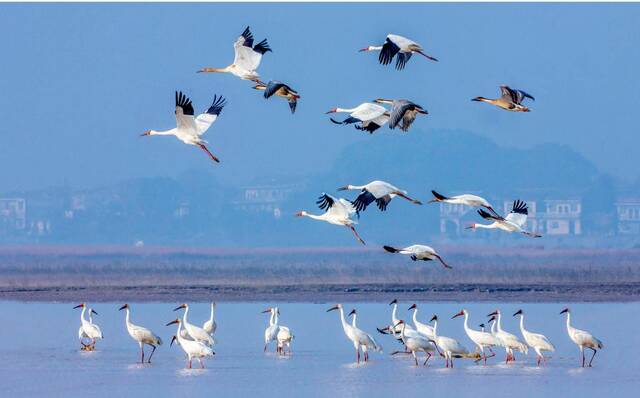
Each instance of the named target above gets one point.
<point>80,82</point>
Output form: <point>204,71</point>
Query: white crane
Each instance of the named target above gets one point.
<point>402,110</point>
<point>416,344</point>
<point>210,325</point>
<point>509,341</point>
<point>189,129</point>
<point>88,330</point>
<point>193,349</point>
<point>247,57</point>
<point>450,347</point>
<point>280,90</point>
<point>283,337</point>
<point>360,339</point>
<point>194,332</point>
<point>369,116</point>
<point>338,212</point>
<point>400,46</point>
<point>141,335</point>
<point>379,191</point>
<point>395,331</point>
<point>481,339</point>
<point>538,342</point>
<point>419,252</point>
<point>271,332</point>
<point>511,100</point>
<point>583,339</point>
<point>464,199</point>
<point>513,222</point>
<point>422,328</point>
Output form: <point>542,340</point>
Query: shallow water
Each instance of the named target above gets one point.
<point>39,353</point>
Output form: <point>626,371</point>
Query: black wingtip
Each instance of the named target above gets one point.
<point>438,196</point>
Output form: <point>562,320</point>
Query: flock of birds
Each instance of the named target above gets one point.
<point>197,341</point>
<point>368,116</point>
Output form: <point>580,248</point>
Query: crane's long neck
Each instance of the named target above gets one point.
<point>184,316</point>
<point>569,322</point>
<point>213,308</point>
<point>487,226</point>
<point>314,216</point>
<point>466,322</point>
<point>345,325</point>
<point>127,318</point>
<point>415,316</point>
<point>402,331</point>
<point>178,335</point>
<point>435,328</point>
<point>499,325</point>
<point>375,48</point>
<point>272,318</point>
<point>275,317</point>
<point>522,323</point>
<point>394,312</point>
<point>163,132</point>
<point>493,327</point>
<point>353,321</point>
<point>82,315</point>
<point>356,187</point>
<point>226,69</point>
<point>90,317</point>
<point>347,110</point>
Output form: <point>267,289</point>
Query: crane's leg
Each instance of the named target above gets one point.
<point>415,357</point>
<point>152,351</point>
<point>593,356</point>
<point>402,195</point>
<point>265,347</point>
<point>204,148</point>
<point>201,363</point>
<point>358,355</point>
<point>189,362</point>
<point>451,362</point>
<point>141,352</point>
<point>356,234</point>
<point>427,360</point>
<point>582,352</point>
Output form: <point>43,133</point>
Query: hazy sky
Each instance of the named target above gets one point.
<point>81,82</point>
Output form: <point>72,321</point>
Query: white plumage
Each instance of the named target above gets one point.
<point>399,47</point>
<point>582,338</point>
<point>515,221</point>
<point>141,335</point>
<point>509,341</point>
<point>338,212</point>
<point>192,331</point>
<point>369,116</point>
<point>379,191</point>
<point>450,347</point>
<point>538,342</point>
<point>360,339</point>
<point>88,330</point>
<point>481,339</point>
<point>193,349</point>
<point>419,252</point>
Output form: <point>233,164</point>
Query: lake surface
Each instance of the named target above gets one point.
<point>39,353</point>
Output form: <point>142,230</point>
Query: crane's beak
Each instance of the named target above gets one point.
<point>79,306</point>
<point>518,312</point>
<point>334,110</point>
<point>363,49</point>
<point>400,322</point>
<point>564,310</point>
<point>180,307</point>
<point>173,338</point>
<point>458,314</point>
<point>413,306</point>
<point>434,318</point>
<point>395,301</point>
<point>173,322</point>
<point>494,313</point>
<point>94,312</point>
<point>343,188</point>
<point>352,312</point>
<point>123,307</point>
<point>333,308</point>
<point>148,132</point>
<point>265,311</point>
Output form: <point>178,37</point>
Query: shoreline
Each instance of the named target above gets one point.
<point>616,292</point>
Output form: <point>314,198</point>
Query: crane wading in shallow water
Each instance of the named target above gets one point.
<point>194,332</point>
<point>210,326</point>
<point>338,212</point>
<point>582,338</point>
<point>189,129</point>
<point>538,342</point>
<point>193,349</point>
<point>88,330</point>
<point>247,58</point>
<point>481,339</point>
<point>141,335</point>
<point>360,339</point>
<point>399,47</point>
<point>509,341</point>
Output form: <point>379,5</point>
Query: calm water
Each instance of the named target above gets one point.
<point>39,354</point>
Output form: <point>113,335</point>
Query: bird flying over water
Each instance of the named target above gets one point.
<point>419,252</point>
<point>402,110</point>
<point>464,199</point>
<point>511,100</point>
<point>281,90</point>
<point>189,129</point>
<point>247,57</point>
<point>338,212</point>
<point>399,47</point>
